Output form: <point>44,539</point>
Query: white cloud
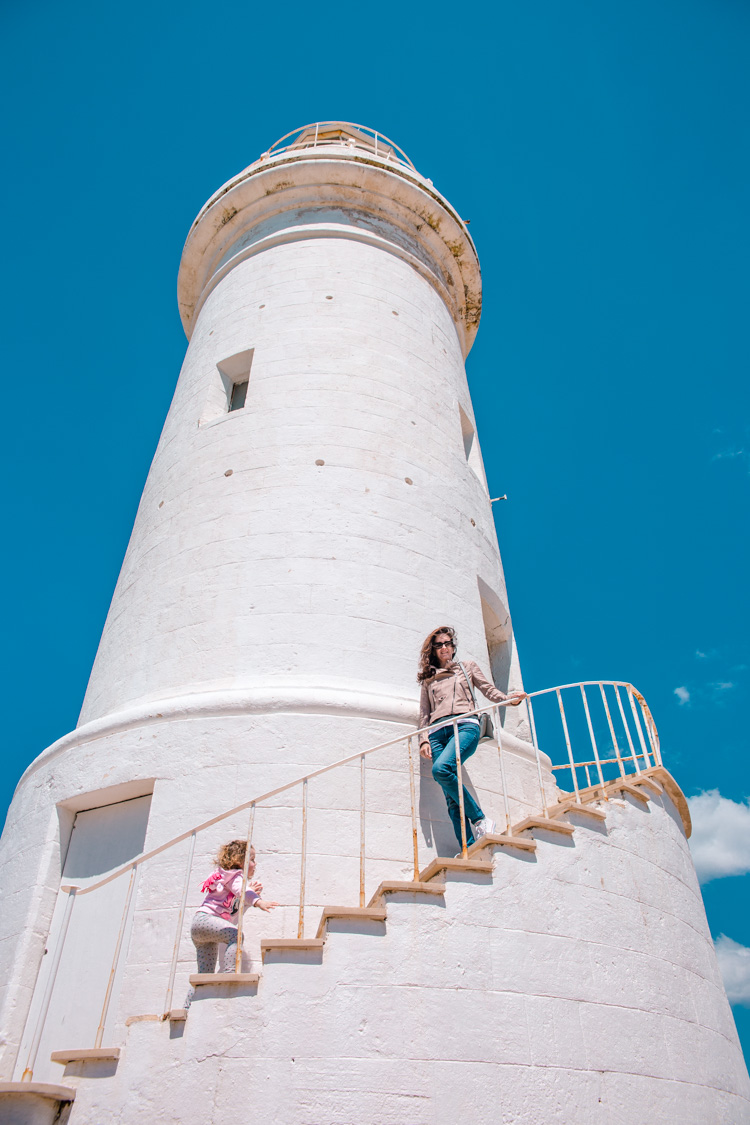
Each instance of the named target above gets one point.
<point>720,842</point>
<point>717,692</point>
<point>734,964</point>
<point>714,693</point>
<point>729,454</point>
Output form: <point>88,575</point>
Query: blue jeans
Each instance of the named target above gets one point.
<point>443,746</point>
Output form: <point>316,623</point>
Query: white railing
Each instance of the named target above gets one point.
<point>322,134</point>
<point>596,738</point>
<point>622,741</point>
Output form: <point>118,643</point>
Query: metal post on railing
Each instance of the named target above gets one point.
<point>303,863</point>
<point>115,960</point>
<point>651,731</point>
<point>178,930</point>
<point>362,830</point>
<point>460,782</point>
<point>612,730</point>
<point>567,743</point>
<point>593,740</point>
<point>637,721</point>
<point>28,1073</point>
<point>243,889</point>
<point>535,744</point>
<point>500,753</point>
<point>627,730</point>
<point>414,839</point>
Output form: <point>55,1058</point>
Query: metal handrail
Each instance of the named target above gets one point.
<point>257,800</point>
<point>326,769</point>
<point>649,750</point>
<point>382,146</point>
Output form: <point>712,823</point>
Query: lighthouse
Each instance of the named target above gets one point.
<point>316,505</point>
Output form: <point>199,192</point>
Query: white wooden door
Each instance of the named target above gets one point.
<point>102,839</point>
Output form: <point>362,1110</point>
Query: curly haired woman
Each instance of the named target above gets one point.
<point>446,695</point>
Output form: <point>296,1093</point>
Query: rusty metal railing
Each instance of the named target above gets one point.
<point>324,134</point>
<point>595,717</point>
<point>621,763</point>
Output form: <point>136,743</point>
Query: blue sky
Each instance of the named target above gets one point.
<point>601,153</point>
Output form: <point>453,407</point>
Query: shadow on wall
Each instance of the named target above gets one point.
<point>497,630</point>
<point>437,829</point>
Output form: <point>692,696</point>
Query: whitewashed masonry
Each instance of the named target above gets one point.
<point>317,504</point>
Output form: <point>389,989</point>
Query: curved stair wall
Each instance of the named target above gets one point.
<point>578,974</point>
<point>576,930</point>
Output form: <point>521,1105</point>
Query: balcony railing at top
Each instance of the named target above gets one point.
<point>611,738</point>
<point>322,134</point>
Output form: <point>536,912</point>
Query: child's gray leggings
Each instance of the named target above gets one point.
<point>207,932</point>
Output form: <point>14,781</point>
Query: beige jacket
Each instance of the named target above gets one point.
<point>447,693</point>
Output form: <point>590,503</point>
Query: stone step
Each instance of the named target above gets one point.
<point>40,1103</point>
<point>290,945</point>
<point>649,783</point>
<point>442,863</point>
<point>584,809</point>
<point>633,790</point>
<point>498,839</point>
<point>369,913</point>
<point>86,1054</point>
<point>394,886</point>
<point>223,978</point>
<point>549,824</point>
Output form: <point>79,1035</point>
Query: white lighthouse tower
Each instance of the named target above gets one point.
<point>316,505</point>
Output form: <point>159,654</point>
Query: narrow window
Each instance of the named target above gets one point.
<point>235,375</point>
<point>503,658</point>
<point>238,395</point>
<point>497,631</point>
<point>471,446</point>
<point>467,432</point>
<point>228,386</point>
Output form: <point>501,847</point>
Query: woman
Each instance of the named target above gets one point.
<point>446,693</point>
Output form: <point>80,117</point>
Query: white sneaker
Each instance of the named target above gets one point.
<point>483,828</point>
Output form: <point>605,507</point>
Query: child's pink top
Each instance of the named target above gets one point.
<point>221,889</point>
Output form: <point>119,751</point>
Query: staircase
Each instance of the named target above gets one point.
<point>591,806</point>
<point>632,755</point>
<point>266,1033</point>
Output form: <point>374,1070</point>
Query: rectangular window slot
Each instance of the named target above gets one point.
<point>503,658</point>
<point>467,433</point>
<point>497,631</point>
<point>471,446</point>
<point>229,386</point>
<point>238,396</point>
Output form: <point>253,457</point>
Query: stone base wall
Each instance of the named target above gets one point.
<point>184,764</point>
<point>576,984</point>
